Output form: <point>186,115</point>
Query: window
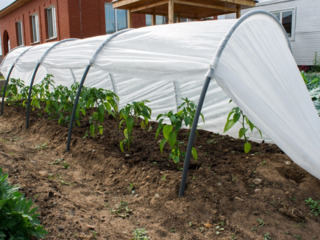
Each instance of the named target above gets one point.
<point>35,28</point>
<point>159,20</point>
<point>116,19</point>
<point>0,47</point>
<point>51,23</point>
<point>19,33</point>
<point>286,18</point>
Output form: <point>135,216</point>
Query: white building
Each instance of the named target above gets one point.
<point>301,20</point>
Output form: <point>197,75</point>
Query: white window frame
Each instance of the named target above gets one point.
<point>53,24</point>
<point>115,12</point>
<point>293,24</point>
<point>19,26</point>
<point>35,29</point>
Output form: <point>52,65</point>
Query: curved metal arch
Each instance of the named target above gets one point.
<point>209,76</point>
<point>8,77</point>
<point>35,73</point>
<point>92,60</point>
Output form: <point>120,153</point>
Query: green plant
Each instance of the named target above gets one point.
<point>65,165</point>
<point>16,92</point>
<point>267,236</point>
<point>102,101</point>
<point>122,210</point>
<point>129,115</point>
<point>236,115</point>
<point>131,188</point>
<point>312,82</point>
<point>296,236</point>
<point>140,234</point>
<point>185,116</point>
<point>18,219</point>
<point>41,92</point>
<point>41,146</point>
<point>260,222</point>
<point>314,205</point>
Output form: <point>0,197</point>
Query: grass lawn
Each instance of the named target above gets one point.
<point>1,78</point>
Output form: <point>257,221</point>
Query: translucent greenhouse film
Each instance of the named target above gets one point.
<point>247,60</point>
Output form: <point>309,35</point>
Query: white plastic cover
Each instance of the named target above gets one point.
<point>168,62</point>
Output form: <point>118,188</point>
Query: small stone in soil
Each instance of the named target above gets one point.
<point>257,181</point>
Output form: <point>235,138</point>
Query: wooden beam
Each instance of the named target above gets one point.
<point>205,5</point>
<point>129,18</point>
<point>238,11</point>
<point>171,11</point>
<point>241,2</point>
<point>149,6</point>
<point>123,2</point>
<point>153,19</point>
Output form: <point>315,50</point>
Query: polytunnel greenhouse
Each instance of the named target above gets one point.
<point>247,60</point>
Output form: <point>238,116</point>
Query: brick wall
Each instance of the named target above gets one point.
<point>75,19</point>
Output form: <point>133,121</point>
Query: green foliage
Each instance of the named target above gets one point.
<point>140,234</point>
<point>236,115</point>
<point>185,115</point>
<point>267,236</point>
<point>103,102</point>
<point>18,219</point>
<point>122,210</point>
<point>57,101</point>
<point>16,92</point>
<point>314,205</point>
<point>128,116</point>
<point>312,82</point>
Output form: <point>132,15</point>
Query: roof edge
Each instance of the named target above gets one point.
<point>13,6</point>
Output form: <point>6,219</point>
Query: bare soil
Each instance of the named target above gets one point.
<point>230,195</point>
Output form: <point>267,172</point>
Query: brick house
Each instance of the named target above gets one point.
<point>30,22</point>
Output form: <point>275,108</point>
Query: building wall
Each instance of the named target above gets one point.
<point>306,40</point>
<point>75,19</point>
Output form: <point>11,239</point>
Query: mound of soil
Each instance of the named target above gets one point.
<point>95,191</point>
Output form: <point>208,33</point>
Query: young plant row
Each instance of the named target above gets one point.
<point>57,102</point>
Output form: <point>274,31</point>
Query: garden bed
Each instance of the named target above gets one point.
<point>230,195</point>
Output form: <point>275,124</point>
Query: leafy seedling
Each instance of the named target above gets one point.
<point>260,222</point>
<point>41,146</point>
<point>314,205</point>
<point>122,210</point>
<point>236,115</point>
<point>131,188</point>
<point>267,236</point>
<point>65,165</point>
<point>140,234</point>
<point>57,162</point>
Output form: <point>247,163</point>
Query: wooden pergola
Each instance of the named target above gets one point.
<point>192,9</point>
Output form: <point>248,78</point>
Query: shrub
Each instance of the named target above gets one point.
<point>18,219</point>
